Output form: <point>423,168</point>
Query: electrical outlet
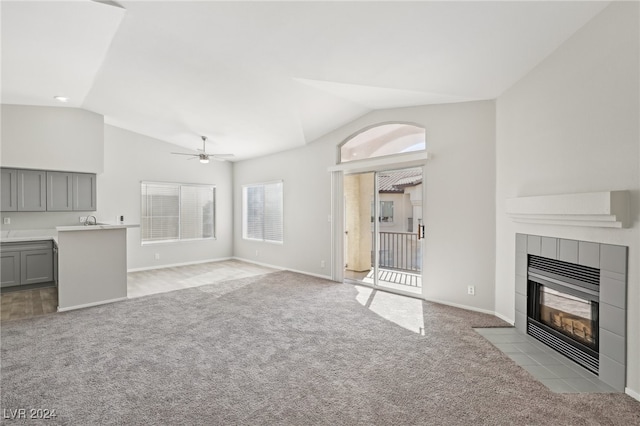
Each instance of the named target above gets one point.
<point>471,290</point>
<point>6,221</point>
<point>83,219</point>
<point>157,256</point>
<point>322,263</point>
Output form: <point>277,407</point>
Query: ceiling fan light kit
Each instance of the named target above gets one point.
<point>203,156</point>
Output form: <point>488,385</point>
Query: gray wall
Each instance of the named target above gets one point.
<point>68,139</point>
<point>71,139</point>
<point>50,138</point>
<point>460,204</point>
<point>131,158</point>
<point>571,125</point>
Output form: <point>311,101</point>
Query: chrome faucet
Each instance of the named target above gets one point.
<point>87,222</point>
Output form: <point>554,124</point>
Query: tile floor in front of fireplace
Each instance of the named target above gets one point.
<point>552,369</point>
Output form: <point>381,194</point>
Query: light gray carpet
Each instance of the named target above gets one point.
<point>281,348</point>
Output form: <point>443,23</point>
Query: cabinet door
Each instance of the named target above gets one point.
<point>84,192</point>
<point>59,191</point>
<point>36,266</point>
<point>10,268</point>
<point>9,190</point>
<point>32,194</point>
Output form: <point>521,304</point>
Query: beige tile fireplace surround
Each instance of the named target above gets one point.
<point>611,261</point>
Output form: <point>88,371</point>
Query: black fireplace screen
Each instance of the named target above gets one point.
<point>570,315</point>
<point>562,308</point>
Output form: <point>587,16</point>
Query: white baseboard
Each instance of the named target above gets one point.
<point>280,268</point>
<point>172,265</point>
<point>325,277</point>
<point>633,394</point>
<point>458,305</point>
<point>88,305</point>
<point>505,319</point>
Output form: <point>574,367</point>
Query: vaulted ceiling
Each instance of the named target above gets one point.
<point>261,77</point>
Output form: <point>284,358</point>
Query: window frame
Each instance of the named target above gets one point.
<point>387,222</point>
<point>398,155</point>
<point>244,211</point>
<point>179,185</point>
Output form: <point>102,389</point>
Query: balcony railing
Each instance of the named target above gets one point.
<point>399,251</point>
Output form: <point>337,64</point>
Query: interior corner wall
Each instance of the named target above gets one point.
<point>131,158</point>
<point>52,138</point>
<point>460,204</point>
<point>571,125</point>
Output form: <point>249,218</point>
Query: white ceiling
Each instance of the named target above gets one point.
<point>261,77</point>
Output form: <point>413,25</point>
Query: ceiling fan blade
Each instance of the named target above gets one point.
<point>222,157</point>
<point>204,156</point>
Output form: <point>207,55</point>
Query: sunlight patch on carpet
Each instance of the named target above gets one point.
<point>401,310</point>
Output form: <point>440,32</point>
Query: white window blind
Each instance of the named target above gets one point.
<point>197,204</point>
<point>262,212</point>
<point>174,212</point>
<point>160,212</point>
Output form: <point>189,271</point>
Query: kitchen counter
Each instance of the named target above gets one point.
<point>19,235</point>
<point>98,227</point>
<point>92,265</point>
<point>92,261</point>
<point>28,235</point>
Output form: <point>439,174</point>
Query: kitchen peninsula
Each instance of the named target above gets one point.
<point>92,265</point>
<point>89,262</point>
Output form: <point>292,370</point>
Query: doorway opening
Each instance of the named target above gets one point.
<point>383,229</point>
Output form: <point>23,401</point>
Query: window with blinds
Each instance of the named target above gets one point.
<point>262,212</point>
<point>176,212</point>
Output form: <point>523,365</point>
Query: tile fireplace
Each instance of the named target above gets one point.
<point>571,296</point>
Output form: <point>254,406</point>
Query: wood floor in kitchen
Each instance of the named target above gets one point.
<point>29,303</point>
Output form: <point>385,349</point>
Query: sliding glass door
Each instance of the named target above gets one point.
<point>383,225</point>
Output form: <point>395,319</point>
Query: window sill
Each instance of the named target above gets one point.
<point>263,241</point>
<point>192,240</point>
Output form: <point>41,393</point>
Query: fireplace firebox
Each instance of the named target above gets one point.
<point>562,308</point>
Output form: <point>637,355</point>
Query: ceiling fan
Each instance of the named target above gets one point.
<point>204,156</point>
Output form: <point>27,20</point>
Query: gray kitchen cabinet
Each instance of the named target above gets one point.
<point>41,190</point>
<point>36,266</point>
<point>10,268</point>
<point>59,191</point>
<point>9,190</point>
<point>32,192</point>
<point>84,191</point>
<point>26,263</point>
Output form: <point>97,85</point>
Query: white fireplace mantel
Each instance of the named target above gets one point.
<point>606,209</point>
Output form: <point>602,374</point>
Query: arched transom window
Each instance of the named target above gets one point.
<point>382,140</point>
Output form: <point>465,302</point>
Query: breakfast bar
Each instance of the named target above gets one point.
<point>87,263</point>
<point>92,265</point>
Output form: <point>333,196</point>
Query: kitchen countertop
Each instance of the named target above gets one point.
<point>28,235</point>
<point>18,235</point>
<point>98,227</point>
